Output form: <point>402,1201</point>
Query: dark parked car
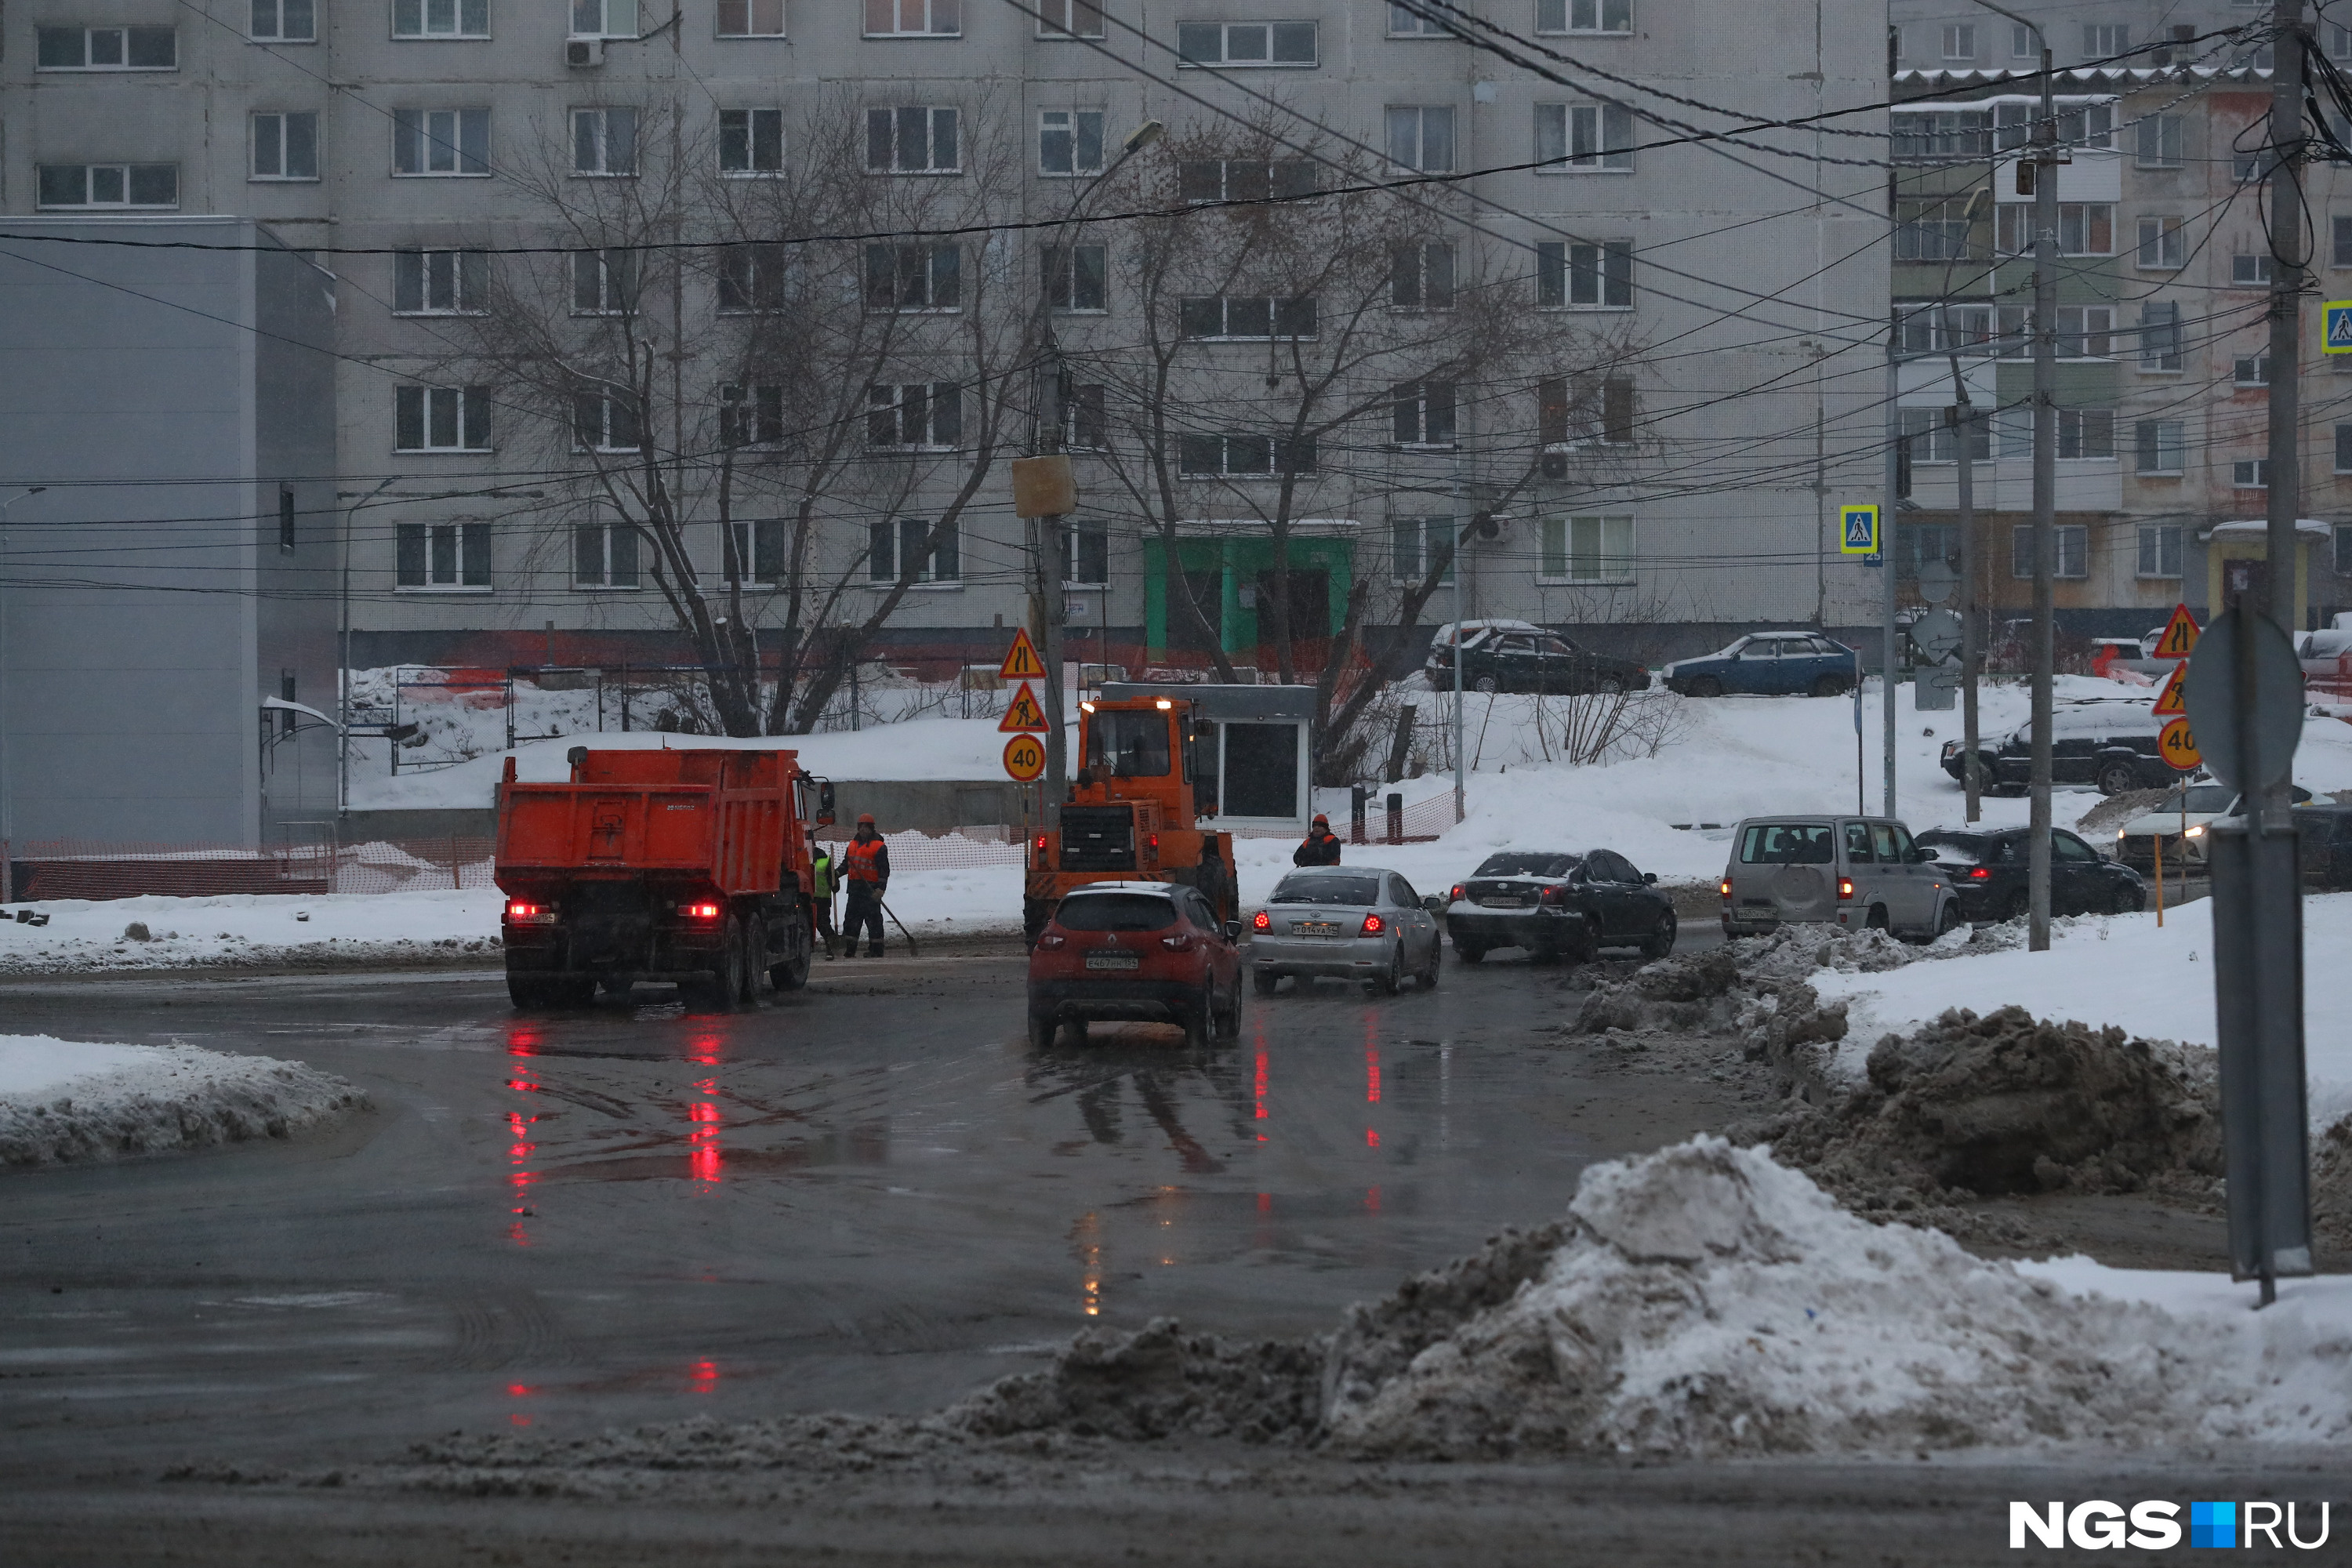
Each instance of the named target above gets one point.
<point>2325,845</point>
<point>1989,871</point>
<point>1769,664</point>
<point>1509,659</point>
<point>2110,744</point>
<point>1555,902</point>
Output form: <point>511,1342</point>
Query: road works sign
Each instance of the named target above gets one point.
<point>1021,661</point>
<point>2336,327</point>
<point>1022,715</point>
<point>1024,758</point>
<point>1858,530</point>
<point>2179,746</point>
<point>2180,638</point>
<point>2172,701</point>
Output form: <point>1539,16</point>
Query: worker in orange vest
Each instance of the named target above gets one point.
<point>1320,848</point>
<point>866,870</point>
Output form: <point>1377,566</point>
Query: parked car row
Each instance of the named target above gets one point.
<point>1518,656</point>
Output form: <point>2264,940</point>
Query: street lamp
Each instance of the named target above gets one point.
<point>343,709</point>
<point>6,889</point>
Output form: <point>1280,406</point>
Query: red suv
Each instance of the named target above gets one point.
<point>1153,951</point>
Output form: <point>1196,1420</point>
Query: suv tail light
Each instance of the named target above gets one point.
<point>1978,874</point>
<point>1177,942</point>
<point>1053,939</point>
<point>1373,926</point>
<point>1725,886</point>
<point>1845,888</point>
<point>1457,892</point>
<point>1261,921</point>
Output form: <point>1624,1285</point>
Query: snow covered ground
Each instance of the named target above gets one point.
<point>74,1101</point>
<point>254,929</point>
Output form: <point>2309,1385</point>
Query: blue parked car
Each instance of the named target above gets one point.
<point>1771,664</point>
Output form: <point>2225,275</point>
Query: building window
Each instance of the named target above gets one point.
<point>2344,449</point>
<point>2103,39</point>
<point>908,546</point>
<point>441,419</point>
<point>1930,436</point>
<point>604,140</point>
<point>2164,243</point>
<point>2084,228</point>
<point>107,50</point>
<point>1584,138</point>
<point>1937,328</point>
<point>2070,545</point>
<point>442,555</point>
<point>1247,318</point>
<point>440,141</point>
<point>606,420</point>
<point>1085,423</point>
<point>286,146</point>
<point>1076,277</point>
<point>441,19</point>
<point>914,18</point>
<point>1916,543</point>
<point>1420,545</point>
<point>1572,274</point>
<point>2086,331</point>
<point>763,544</point>
<point>914,278</point>
<point>1580,412</point>
<point>2251,473</point>
<point>1420,276</point>
<point>912,140</point>
<point>440,283</point>
<point>1413,22</point>
<point>284,22</point>
<point>1931,230</point>
<point>1421,140</point>
<point>751,18</point>
<point>1242,456</point>
<point>2250,270</point>
<point>2021,43</point>
<point>1933,136</point>
<point>603,555</point>
<point>1086,556</point>
<point>1070,141</point>
<point>2339,250</point>
<point>751,143</point>
<point>2160,335</point>
<point>754,277</point>
<point>2162,447</point>
<point>285,516</point>
<point>1069,19</point>
<point>2251,370</point>
<point>2157,140</point>
<point>2343,543</point>
<point>913,416</point>
<point>1421,413</point>
<point>1584,15</point>
<point>1244,179</point>
<point>1238,43</point>
<point>751,415</point>
<point>1960,41</point>
<point>1587,550</point>
<point>2159,549</point>
<point>604,18</point>
<point>108,185</point>
<point>604,282</point>
<point>2086,433</point>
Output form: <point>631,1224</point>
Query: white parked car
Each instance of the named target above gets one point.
<point>2193,807</point>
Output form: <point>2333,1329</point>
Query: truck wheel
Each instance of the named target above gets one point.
<point>526,990</point>
<point>793,972</point>
<point>718,993</point>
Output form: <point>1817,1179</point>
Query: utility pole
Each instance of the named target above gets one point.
<point>2044,165</point>
<point>7,819</point>
<point>2285,550</point>
<point>1885,564</point>
<point>1964,434</point>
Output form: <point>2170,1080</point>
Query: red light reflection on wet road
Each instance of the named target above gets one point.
<point>702,1157</point>
<point>703,1377</point>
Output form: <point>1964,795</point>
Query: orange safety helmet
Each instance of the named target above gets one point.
<point>865,819</point>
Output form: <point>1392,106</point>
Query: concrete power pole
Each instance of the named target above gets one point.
<point>2044,164</point>
<point>2284,552</point>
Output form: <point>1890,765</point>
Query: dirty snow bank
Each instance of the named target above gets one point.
<point>72,1101</point>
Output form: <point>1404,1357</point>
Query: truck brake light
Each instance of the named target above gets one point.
<point>523,913</point>
<point>1153,841</point>
<point>1261,921</point>
<point>1845,888</point>
<point>699,912</point>
<point>1373,926</point>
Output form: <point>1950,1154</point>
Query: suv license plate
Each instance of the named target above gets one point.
<point>1313,928</point>
<point>1113,961</point>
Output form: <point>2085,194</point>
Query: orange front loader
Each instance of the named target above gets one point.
<point>1132,814</point>
<point>683,866</point>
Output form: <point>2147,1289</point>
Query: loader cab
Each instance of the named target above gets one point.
<point>1138,749</point>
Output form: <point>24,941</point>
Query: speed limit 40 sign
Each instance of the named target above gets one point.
<point>2179,746</point>
<point>1024,758</point>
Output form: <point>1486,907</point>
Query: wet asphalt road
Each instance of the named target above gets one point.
<point>872,1195</point>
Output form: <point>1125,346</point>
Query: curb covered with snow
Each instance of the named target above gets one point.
<point>74,1102</point>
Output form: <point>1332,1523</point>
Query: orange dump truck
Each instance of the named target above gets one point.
<point>687,866</point>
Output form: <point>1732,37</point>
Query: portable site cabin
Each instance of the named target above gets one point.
<point>1262,755</point>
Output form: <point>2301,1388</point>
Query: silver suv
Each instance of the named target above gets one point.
<point>1854,871</point>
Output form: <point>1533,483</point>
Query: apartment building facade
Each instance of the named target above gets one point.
<point>545,221</point>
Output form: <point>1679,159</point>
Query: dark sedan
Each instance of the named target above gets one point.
<point>1554,903</point>
<point>1536,661</point>
<point>1989,872</point>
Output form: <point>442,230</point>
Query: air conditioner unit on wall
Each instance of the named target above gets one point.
<point>1555,464</point>
<point>584,53</point>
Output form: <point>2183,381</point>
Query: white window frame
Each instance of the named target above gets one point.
<point>1258,52</point>
<point>125,176</point>
<point>2157,142</point>
<point>2082,429</point>
<point>1408,131</point>
<point>415,20</point>
<point>603,282</point>
<point>2159,540</point>
<point>2160,337</point>
<point>1061,269</point>
<point>423,137</point>
<point>2163,243</point>
<point>2065,539</point>
<point>915,280</point>
<point>1582,264</point>
<point>1414,545</point>
<point>1074,557</point>
<point>1089,403</point>
<point>1413,22</point>
<point>2343,450</point>
<point>596,433</point>
<point>1960,41</point>
<point>1583,139</point>
<point>98,43</point>
<point>606,579</point>
<point>2250,269</point>
<point>889,542</point>
<point>267,20</point>
<point>747,412</point>
<point>2250,474</point>
<point>744,127</point>
<point>1423,418</point>
<point>1068,20</point>
<point>1606,17</point>
<point>756,279</point>
<point>2086,331</point>
<point>2249,370</point>
<point>1608,557</point>
<point>750,535</point>
<point>2159,448</point>
<point>912,19</point>
<point>890,398</point>
<point>1274,449</point>
<point>604,19</point>
<point>1272,318</point>
<point>2101,39</point>
<point>1073,127</point>
<point>458,279</point>
<point>453,542</point>
<point>750,12</point>
<point>896,121</point>
<point>1410,273</point>
<point>593,142</point>
<point>2021,43</point>
<point>465,410</point>
<point>273,131</point>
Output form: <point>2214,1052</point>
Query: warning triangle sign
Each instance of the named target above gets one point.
<point>2172,702</point>
<point>1021,661</point>
<point>2180,638</point>
<point>1023,715</point>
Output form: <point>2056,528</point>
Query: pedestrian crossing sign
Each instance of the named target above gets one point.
<point>1858,529</point>
<point>2336,327</point>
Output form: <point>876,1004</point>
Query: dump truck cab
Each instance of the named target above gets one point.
<point>1133,812</point>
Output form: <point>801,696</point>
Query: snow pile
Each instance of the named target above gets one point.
<point>71,1102</point>
<point>251,931</point>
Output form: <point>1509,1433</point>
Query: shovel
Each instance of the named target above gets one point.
<point>895,920</point>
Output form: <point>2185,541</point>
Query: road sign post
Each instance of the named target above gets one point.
<point>2245,695</point>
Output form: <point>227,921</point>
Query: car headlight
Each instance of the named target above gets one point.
<point>2196,832</point>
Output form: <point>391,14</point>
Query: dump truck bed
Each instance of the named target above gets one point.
<point>716,818</point>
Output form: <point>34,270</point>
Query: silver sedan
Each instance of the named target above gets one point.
<point>1344,923</point>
